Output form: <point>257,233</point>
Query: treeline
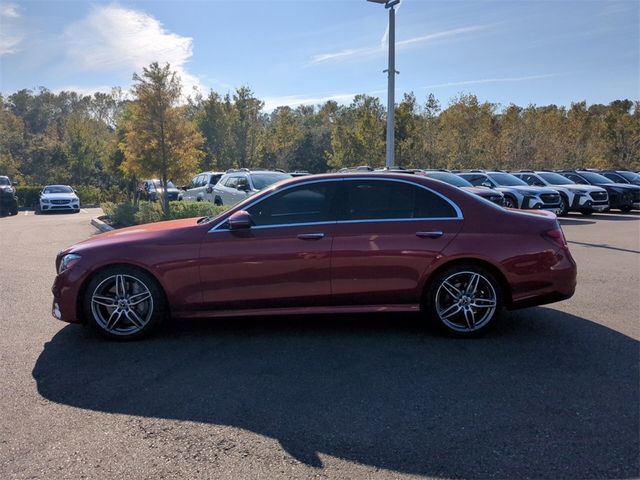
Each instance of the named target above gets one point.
<point>68,137</point>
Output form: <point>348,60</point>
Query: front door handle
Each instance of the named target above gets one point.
<point>311,236</point>
<point>434,234</point>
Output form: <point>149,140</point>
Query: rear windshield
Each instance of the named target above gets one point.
<point>506,179</point>
<point>556,179</point>
<point>58,189</point>
<point>263,180</point>
<point>449,178</point>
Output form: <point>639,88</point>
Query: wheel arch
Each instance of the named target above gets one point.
<point>82,291</point>
<point>505,288</point>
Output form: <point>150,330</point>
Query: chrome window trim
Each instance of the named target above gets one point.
<point>459,215</point>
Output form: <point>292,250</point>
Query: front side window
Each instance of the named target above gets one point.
<point>576,178</point>
<point>477,180</point>
<point>304,204</point>
<point>231,182</point>
<point>213,179</point>
<point>389,200</point>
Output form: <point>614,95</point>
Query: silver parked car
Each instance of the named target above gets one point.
<point>201,187</point>
<point>236,185</point>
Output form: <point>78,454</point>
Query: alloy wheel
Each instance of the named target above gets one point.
<point>122,304</point>
<point>466,301</point>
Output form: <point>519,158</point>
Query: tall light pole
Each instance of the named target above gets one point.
<point>391,79</point>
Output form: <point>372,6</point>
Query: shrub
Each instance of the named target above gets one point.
<point>149,212</point>
<point>28,196</point>
<point>121,214</point>
<point>89,195</point>
<point>127,214</point>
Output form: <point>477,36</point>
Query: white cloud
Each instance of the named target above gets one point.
<point>492,80</point>
<point>10,33</point>
<point>271,103</point>
<point>113,38</point>
<point>9,10</point>
<point>359,53</point>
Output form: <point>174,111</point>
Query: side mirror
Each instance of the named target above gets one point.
<point>185,187</point>
<point>15,184</point>
<point>209,189</point>
<point>243,187</point>
<point>239,220</point>
<point>487,184</point>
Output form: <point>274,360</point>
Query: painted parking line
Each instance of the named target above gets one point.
<point>84,210</point>
<point>26,212</point>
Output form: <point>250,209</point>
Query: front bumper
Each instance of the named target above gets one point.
<point>63,205</point>
<point>66,293</point>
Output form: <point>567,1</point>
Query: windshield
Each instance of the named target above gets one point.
<point>449,178</point>
<point>4,181</point>
<point>556,179</point>
<point>263,180</point>
<point>632,177</point>
<point>595,177</point>
<point>506,179</point>
<point>58,189</point>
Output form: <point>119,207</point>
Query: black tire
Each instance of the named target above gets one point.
<point>564,206</point>
<point>217,201</point>
<point>109,308</point>
<point>510,202</point>
<point>14,210</point>
<point>586,212</point>
<point>453,314</point>
<point>76,210</point>
<point>626,209</point>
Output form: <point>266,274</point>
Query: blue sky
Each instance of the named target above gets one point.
<point>308,51</point>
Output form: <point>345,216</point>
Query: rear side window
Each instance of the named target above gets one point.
<point>475,180</point>
<point>388,200</point>
<point>305,204</point>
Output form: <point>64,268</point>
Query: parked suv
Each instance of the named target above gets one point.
<point>622,196</point>
<point>8,199</point>
<point>517,194</point>
<point>201,186</point>
<point>575,198</point>
<point>236,185</point>
<point>621,176</point>
<point>151,190</point>
<point>453,179</point>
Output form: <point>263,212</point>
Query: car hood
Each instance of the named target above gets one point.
<point>576,187</point>
<point>150,232</point>
<point>483,191</point>
<point>6,188</point>
<point>58,196</point>
<point>627,187</point>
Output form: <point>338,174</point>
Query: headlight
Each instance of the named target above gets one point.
<point>67,261</point>
<point>44,200</point>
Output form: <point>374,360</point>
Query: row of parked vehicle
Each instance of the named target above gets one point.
<point>562,191</point>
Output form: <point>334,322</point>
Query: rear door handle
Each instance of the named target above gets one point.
<point>434,234</point>
<point>311,236</point>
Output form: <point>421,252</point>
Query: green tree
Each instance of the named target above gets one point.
<point>160,139</point>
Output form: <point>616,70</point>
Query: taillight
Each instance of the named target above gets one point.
<point>556,236</point>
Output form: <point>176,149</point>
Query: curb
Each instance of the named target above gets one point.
<point>100,225</point>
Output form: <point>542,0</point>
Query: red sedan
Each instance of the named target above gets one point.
<point>322,244</point>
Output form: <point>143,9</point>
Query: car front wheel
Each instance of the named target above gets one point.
<point>124,303</point>
<point>510,202</point>
<point>464,299</point>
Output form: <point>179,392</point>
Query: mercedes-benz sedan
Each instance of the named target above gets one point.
<point>364,242</point>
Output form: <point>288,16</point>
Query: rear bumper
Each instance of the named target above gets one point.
<point>557,282</point>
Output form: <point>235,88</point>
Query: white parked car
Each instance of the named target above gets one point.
<point>236,185</point>
<point>59,198</point>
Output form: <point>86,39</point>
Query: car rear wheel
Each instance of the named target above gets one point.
<point>510,202</point>
<point>586,212</point>
<point>124,303</point>
<point>464,299</point>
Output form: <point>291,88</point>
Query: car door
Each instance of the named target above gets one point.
<point>388,233</point>
<point>282,260</point>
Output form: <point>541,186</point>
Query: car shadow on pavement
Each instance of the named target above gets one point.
<point>545,395</point>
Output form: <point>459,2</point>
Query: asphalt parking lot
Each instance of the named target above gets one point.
<point>552,392</point>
